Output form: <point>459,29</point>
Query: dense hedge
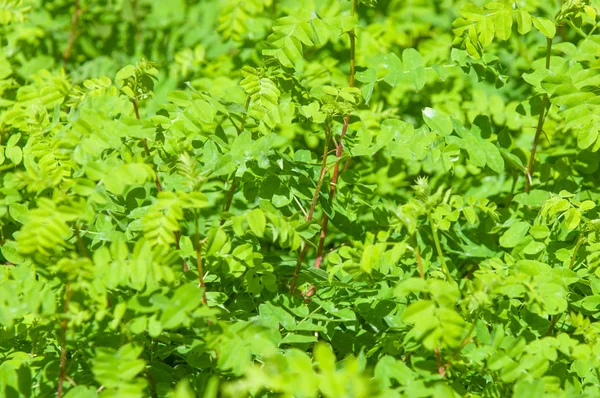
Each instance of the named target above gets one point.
<point>299,198</point>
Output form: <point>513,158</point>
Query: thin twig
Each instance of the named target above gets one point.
<point>74,21</point>
<point>465,341</point>
<point>64,324</point>
<point>146,149</point>
<point>336,248</point>
<point>231,191</point>
<point>438,247</point>
<point>297,270</point>
<point>199,258</point>
<point>159,187</point>
<point>246,107</point>
<point>540,124</point>
<point>580,240</point>
<point>440,364</point>
<point>300,206</point>
<point>70,380</point>
<point>83,250</point>
<point>419,261</point>
<point>553,320</point>
<point>309,216</point>
<point>320,256</point>
<point>339,152</point>
<point>229,199</point>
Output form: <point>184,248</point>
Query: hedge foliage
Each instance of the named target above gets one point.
<point>291,198</point>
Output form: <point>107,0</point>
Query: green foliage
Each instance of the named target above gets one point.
<point>300,199</point>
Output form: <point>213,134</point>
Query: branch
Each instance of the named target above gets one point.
<point>553,320</point>
<point>231,191</point>
<point>438,247</point>
<point>309,216</point>
<point>199,258</point>
<point>338,152</point>
<point>229,199</point>
<point>540,124</point>
<point>64,324</point>
<point>297,270</point>
<point>159,187</point>
<point>440,364</point>
<point>465,341</point>
<point>74,21</point>
<point>320,255</point>
<point>580,240</point>
<point>419,261</point>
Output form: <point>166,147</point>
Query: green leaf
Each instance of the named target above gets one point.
<point>81,392</point>
<point>524,21</point>
<point>476,151</point>
<point>395,69</point>
<point>503,24</point>
<point>438,121</point>
<point>183,390</point>
<point>413,64</point>
<point>369,77</point>
<point>587,136</point>
<point>14,153</point>
<point>257,222</point>
<point>528,389</point>
<point>515,234</point>
<point>572,218</point>
<point>485,30</point>
<point>493,156</point>
<point>545,26</point>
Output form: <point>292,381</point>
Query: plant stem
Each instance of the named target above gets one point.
<point>309,216</point>
<point>438,247</point>
<point>419,261</point>
<point>440,364</point>
<point>553,322</point>
<point>297,270</point>
<point>199,258</point>
<point>339,150</point>
<point>63,343</point>
<point>82,249</point>
<point>246,106</point>
<point>464,342</point>
<point>320,254</point>
<point>540,124</point>
<point>159,187</point>
<point>74,21</point>
<point>146,149</point>
<point>580,240</point>
<point>231,191</point>
<point>229,199</point>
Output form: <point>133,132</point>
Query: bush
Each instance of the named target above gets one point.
<point>318,198</point>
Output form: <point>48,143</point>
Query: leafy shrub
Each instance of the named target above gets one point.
<point>279,198</point>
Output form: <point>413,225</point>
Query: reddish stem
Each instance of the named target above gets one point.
<point>297,270</point>
<point>159,187</point>
<point>320,254</point>
<point>338,153</point>
<point>311,211</point>
<point>74,21</point>
<point>440,364</point>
